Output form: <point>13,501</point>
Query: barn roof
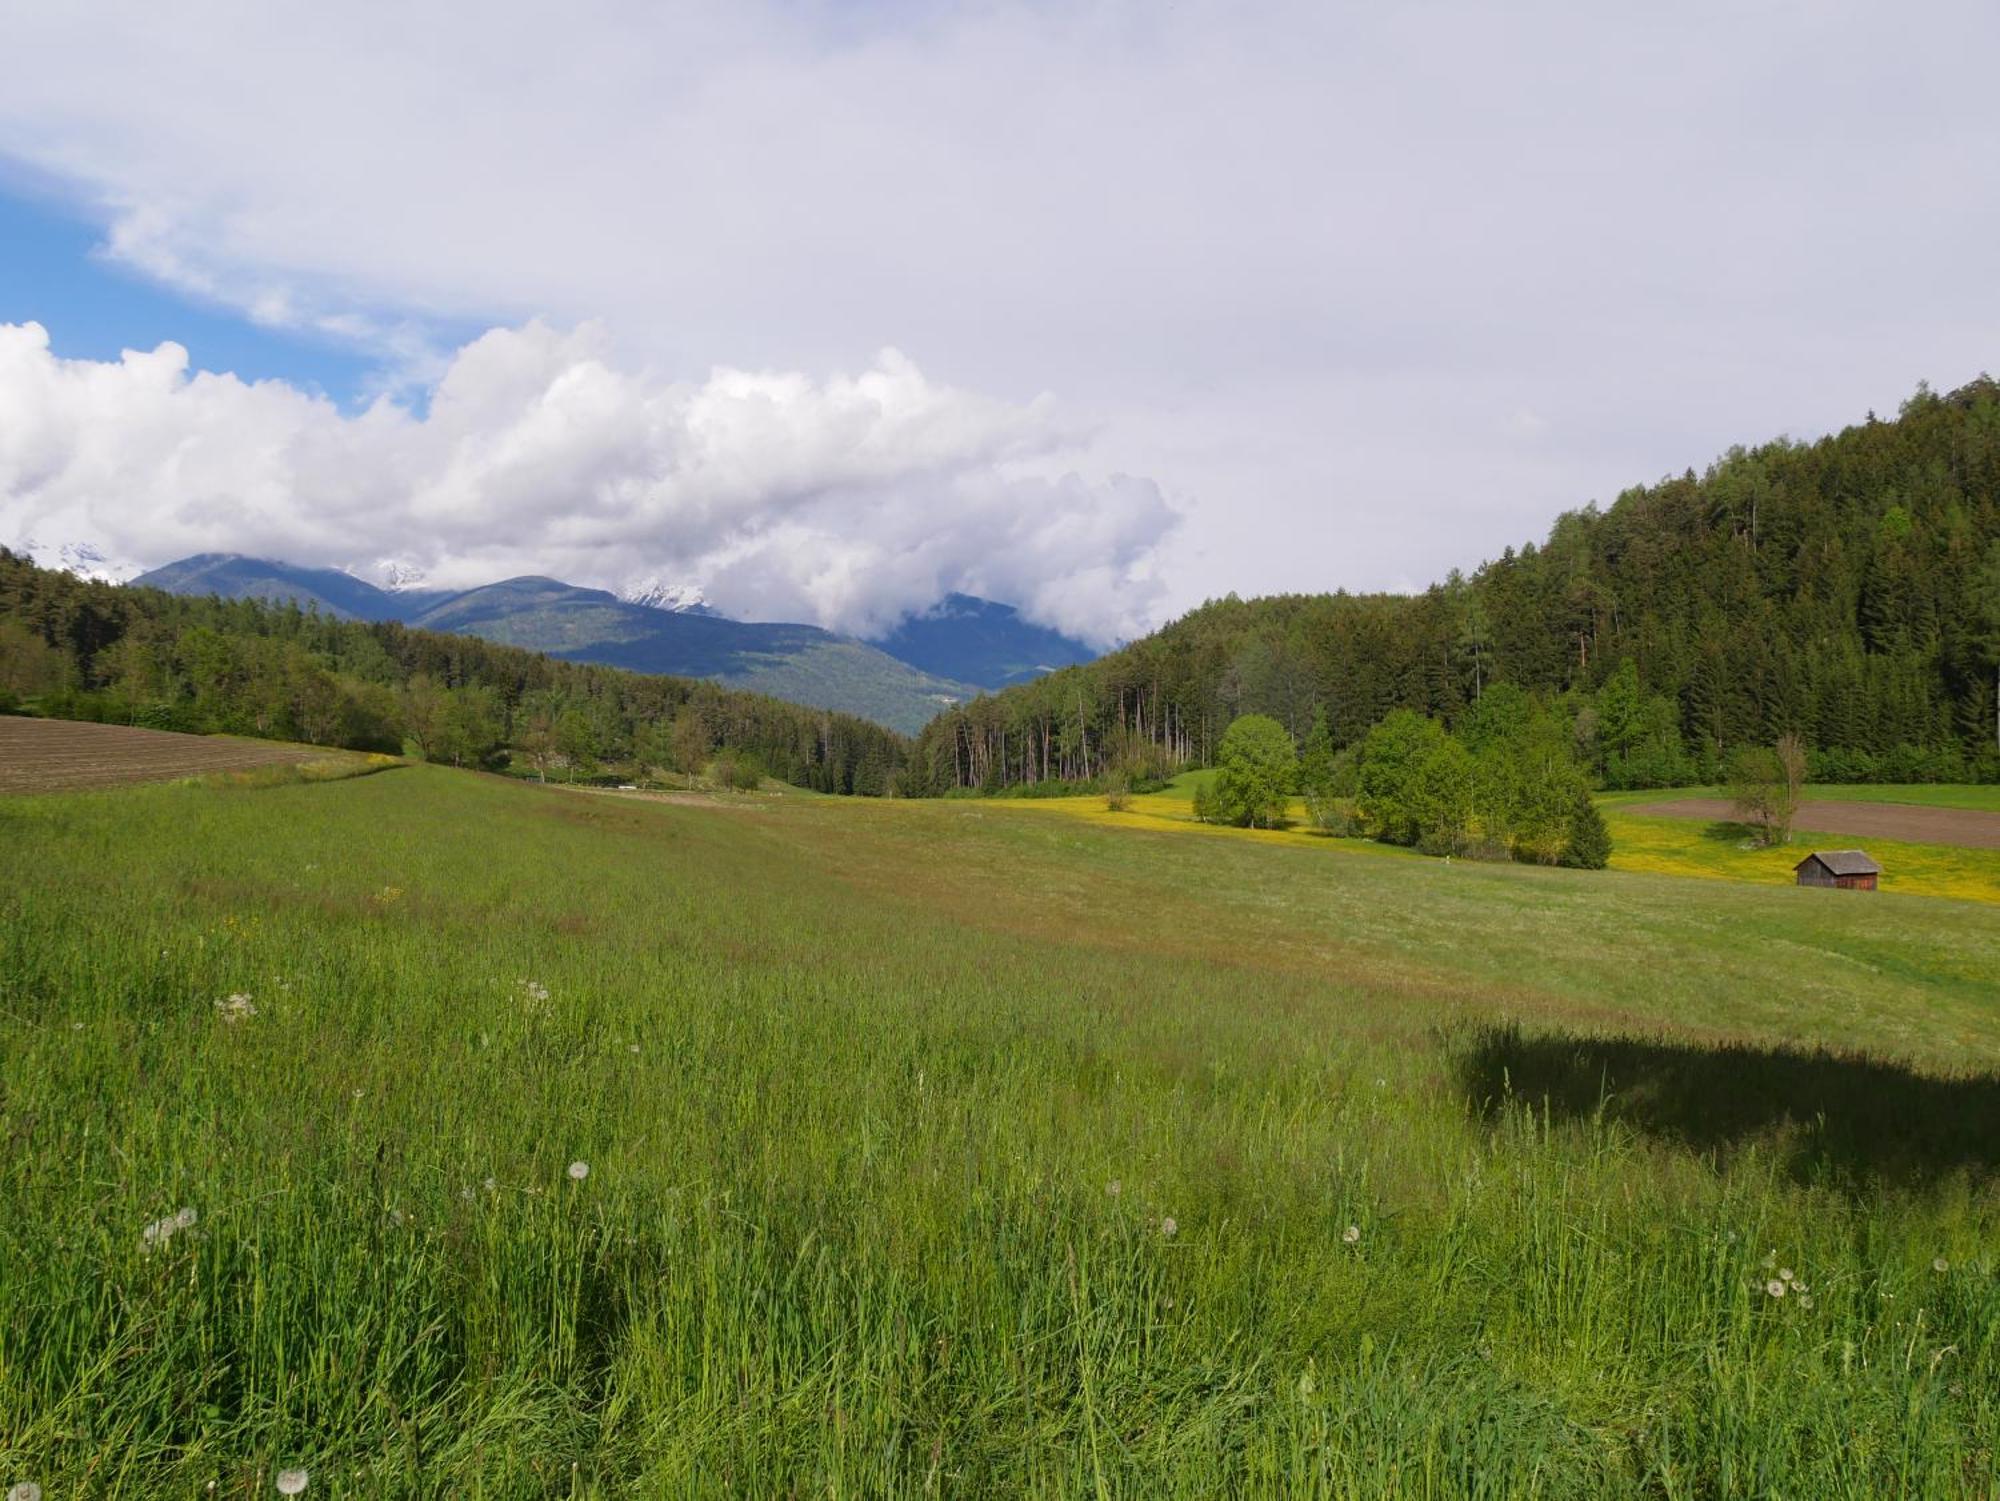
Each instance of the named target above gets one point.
<point>1844,862</point>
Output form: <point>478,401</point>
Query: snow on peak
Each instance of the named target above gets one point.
<point>396,576</point>
<point>655,593</point>
<point>79,558</point>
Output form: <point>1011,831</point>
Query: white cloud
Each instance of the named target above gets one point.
<point>846,501</point>
<point>1301,262</point>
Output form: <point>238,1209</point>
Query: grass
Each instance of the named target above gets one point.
<point>1692,847</point>
<point>886,1108</point>
<point>1658,846</point>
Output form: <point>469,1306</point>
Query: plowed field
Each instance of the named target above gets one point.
<point>1914,825</point>
<point>55,755</point>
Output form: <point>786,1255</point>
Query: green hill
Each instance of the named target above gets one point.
<point>1846,590</point>
<point>799,663</point>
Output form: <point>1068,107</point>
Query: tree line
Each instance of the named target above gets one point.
<point>1506,785</point>
<point>76,649</point>
<point>1846,592</point>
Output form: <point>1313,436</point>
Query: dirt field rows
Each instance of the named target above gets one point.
<point>53,755</point>
<point>1915,825</point>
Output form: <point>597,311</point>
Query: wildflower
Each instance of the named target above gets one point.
<point>163,1230</point>
<point>1352,1235</point>
<point>25,1490</point>
<point>1114,1188</point>
<point>1805,1300</point>
<point>490,1185</point>
<point>236,1008</point>
<point>1785,1275</point>
<point>1940,1265</point>
<point>291,1482</point>
<point>578,1171</point>
<point>534,991</point>
<point>1169,1227</point>
<point>1775,1288</point>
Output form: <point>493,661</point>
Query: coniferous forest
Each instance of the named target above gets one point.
<point>1846,591</point>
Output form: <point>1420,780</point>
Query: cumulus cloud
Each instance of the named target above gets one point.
<point>1304,263</point>
<point>846,501</point>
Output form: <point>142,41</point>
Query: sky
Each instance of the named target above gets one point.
<point>832,308</point>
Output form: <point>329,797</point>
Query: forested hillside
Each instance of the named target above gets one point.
<point>77,649</point>
<point>1846,590</point>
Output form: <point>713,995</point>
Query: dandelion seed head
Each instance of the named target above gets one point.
<point>166,1228</point>
<point>632,1047</point>
<point>490,1185</point>
<point>1940,1265</point>
<point>1115,1187</point>
<point>291,1482</point>
<point>1805,1300</point>
<point>24,1490</point>
<point>1785,1275</point>
<point>1775,1288</point>
<point>1352,1234</point>
<point>1170,1227</point>
<point>578,1171</point>
<point>236,1007</point>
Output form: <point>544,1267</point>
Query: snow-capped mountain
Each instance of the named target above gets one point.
<point>79,558</point>
<point>656,593</point>
<point>396,577</point>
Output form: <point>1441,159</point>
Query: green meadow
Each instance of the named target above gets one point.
<point>448,1136</point>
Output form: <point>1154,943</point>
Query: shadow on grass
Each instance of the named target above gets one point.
<point>1743,835</point>
<point>1829,1115</point>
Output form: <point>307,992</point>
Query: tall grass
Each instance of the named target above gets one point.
<point>886,1111</point>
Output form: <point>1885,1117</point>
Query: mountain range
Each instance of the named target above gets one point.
<point>928,663</point>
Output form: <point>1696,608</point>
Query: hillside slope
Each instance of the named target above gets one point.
<point>981,642</point>
<point>1846,590</point>
<point>800,663</point>
<point>1050,1160</point>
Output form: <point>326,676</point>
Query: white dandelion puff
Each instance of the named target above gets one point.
<point>1115,1187</point>
<point>1775,1288</point>
<point>490,1185</point>
<point>632,1047</point>
<point>25,1490</point>
<point>578,1171</point>
<point>1805,1300</point>
<point>1170,1227</point>
<point>236,1007</point>
<point>292,1482</point>
<point>163,1230</point>
<point>1940,1265</point>
<point>1352,1234</point>
<point>1785,1275</point>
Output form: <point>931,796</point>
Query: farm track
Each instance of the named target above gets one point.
<point>1912,824</point>
<point>53,755</point>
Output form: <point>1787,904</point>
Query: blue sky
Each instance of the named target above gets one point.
<point>51,273</point>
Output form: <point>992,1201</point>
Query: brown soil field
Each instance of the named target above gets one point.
<point>56,755</point>
<point>1961,826</point>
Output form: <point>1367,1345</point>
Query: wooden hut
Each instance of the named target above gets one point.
<point>1849,869</point>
